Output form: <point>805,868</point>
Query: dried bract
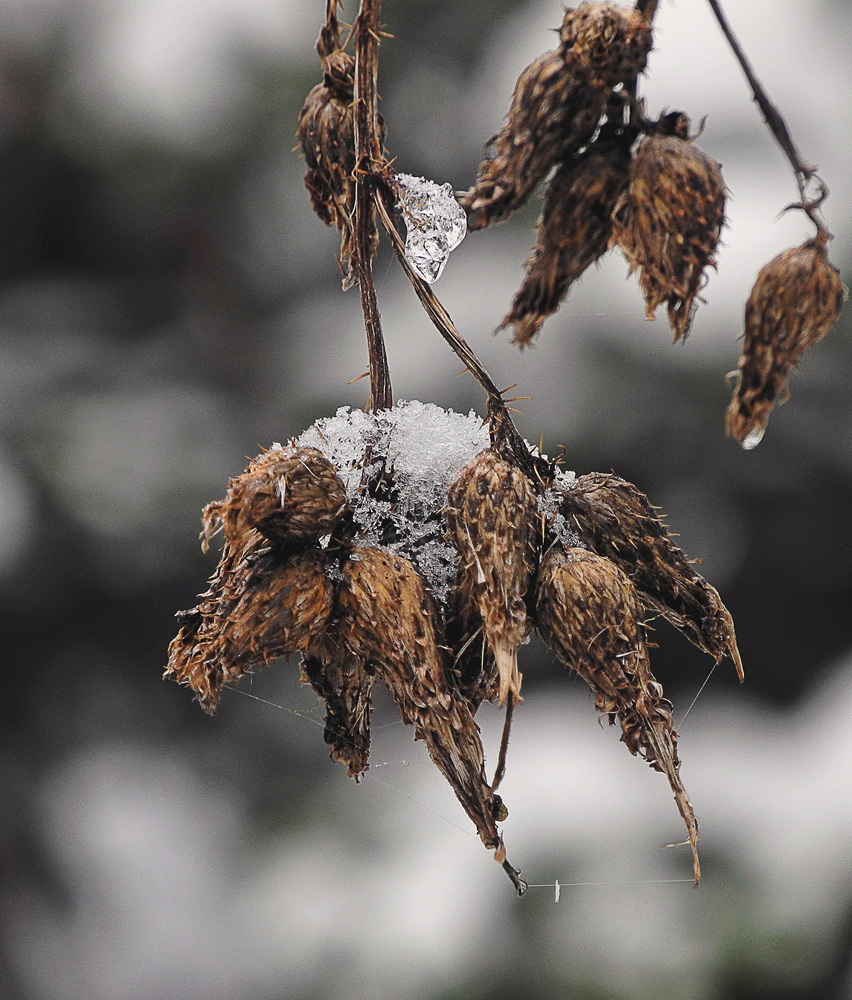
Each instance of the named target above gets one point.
<point>795,301</point>
<point>490,510</point>
<point>552,115</point>
<point>573,232</point>
<point>604,44</point>
<point>589,614</point>
<point>618,521</point>
<point>667,224</point>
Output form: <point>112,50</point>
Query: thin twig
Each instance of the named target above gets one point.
<point>777,126</point>
<point>500,773</point>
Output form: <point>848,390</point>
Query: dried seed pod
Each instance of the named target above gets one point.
<point>490,511</point>
<point>573,232</point>
<point>260,606</point>
<point>340,678</point>
<point>667,223</point>
<point>390,622</point>
<point>326,133</point>
<point>552,115</point>
<point>618,521</point>
<point>605,45</point>
<point>795,301</point>
<point>292,496</point>
<point>589,614</point>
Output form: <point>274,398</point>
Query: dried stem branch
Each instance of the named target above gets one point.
<point>777,126</point>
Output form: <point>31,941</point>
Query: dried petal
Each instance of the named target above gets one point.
<point>618,521</point>
<point>667,223</point>
<point>589,614</point>
<point>795,301</point>
<point>573,232</point>
<point>390,622</point>
<point>491,510</point>
<point>340,678</point>
<point>292,496</point>
<point>552,115</point>
<point>605,45</point>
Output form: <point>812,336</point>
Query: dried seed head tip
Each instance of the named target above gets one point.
<point>605,45</point>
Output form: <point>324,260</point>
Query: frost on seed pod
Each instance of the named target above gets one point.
<point>260,606</point>
<point>668,220</point>
<point>573,232</point>
<point>552,115</point>
<point>340,678</point>
<point>390,622</point>
<point>590,616</point>
<point>618,521</point>
<point>605,45</point>
<point>326,133</point>
<point>795,301</point>
<point>490,511</point>
<point>292,496</point>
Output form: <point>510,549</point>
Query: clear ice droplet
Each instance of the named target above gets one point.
<point>434,221</point>
<point>753,438</point>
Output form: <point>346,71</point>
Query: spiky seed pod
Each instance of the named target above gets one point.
<point>340,678</point>
<point>258,608</point>
<point>604,44</point>
<point>667,224</point>
<point>795,301</point>
<point>552,115</point>
<point>326,133</point>
<point>589,614</point>
<point>490,511</point>
<point>618,521</point>
<point>390,622</point>
<point>292,496</point>
<point>573,232</point>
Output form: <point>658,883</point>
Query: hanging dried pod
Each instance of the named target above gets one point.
<point>590,616</point>
<point>795,301</point>
<point>552,115</point>
<point>341,679</point>
<point>573,232</point>
<point>603,44</point>
<point>668,220</point>
<point>260,606</point>
<point>491,510</point>
<point>292,496</point>
<point>618,521</point>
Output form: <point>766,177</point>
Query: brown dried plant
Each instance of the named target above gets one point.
<point>421,559</point>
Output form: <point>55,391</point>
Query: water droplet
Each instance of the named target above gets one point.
<point>753,438</point>
<point>434,220</point>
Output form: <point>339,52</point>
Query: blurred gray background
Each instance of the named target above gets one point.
<point>168,305</point>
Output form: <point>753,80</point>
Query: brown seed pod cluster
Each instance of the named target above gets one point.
<point>668,220</point>
<point>326,133</point>
<point>405,547</point>
<point>557,106</point>
<point>795,301</point>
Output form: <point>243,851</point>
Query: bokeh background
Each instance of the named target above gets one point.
<point>168,305</point>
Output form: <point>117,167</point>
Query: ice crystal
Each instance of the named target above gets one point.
<point>435,223</point>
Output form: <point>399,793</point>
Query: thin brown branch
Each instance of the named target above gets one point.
<point>500,772</point>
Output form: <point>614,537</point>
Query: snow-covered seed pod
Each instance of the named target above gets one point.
<point>795,301</point>
<point>589,614</point>
<point>552,115</point>
<point>292,496</point>
<point>573,232</point>
<point>259,607</point>
<point>668,221</point>
<point>340,678</point>
<point>491,509</point>
<point>389,621</point>
<point>618,521</point>
<point>605,45</point>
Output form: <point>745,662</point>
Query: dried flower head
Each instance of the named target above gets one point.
<point>589,614</point>
<point>668,220</point>
<point>552,115</point>
<point>795,301</point>
<point>604,44</point>
<point>573,232</point>
<point>491,509</point>
<point>617,520</point>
